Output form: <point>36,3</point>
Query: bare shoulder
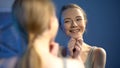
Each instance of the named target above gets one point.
<point>99,57</point>
<point>100,52</point>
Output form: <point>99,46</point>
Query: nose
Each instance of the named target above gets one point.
<point>74,24</point>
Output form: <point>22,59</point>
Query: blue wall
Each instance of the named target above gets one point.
<point>102,28</point>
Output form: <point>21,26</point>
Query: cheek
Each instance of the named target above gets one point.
<point>55,24</point>
<point>82,27</point>
<point>66,27</point>
<point>54,28</point>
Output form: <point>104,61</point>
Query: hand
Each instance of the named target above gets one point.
<point>74,47</point>
<point>71,44</point>
<point>54,47</point>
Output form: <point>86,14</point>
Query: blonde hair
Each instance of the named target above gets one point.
<point>35,16</point>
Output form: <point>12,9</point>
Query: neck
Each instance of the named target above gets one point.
<point>43,49</point>
<point>80,37</point>
<point>42,44</point>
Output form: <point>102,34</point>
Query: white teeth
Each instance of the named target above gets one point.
<point>75,31</point>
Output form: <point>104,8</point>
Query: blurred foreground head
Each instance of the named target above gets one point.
<point>34,15</point>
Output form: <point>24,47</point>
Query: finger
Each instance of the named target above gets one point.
<point>76,52</point>
<point>72,39</point>
<point>80,39</point>
<point>79,44</point>
<point>77,48</point>
<point>54,47</point>
<point>71,43</point>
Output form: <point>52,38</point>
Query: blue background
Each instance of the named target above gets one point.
<point>102,27</point>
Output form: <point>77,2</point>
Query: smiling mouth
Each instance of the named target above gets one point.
<point>75,31</point>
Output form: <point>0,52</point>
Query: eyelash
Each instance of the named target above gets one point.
<point>78,19</point>
<point>66,21</point>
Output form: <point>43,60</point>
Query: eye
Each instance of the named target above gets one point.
<point>66,21</point>
<point>78,19</point>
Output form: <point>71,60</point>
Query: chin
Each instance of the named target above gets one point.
<point>75,37</point>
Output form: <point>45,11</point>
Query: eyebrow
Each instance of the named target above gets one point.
<point>66,18</point>
<point>75,17</point>
<point>78,16</point>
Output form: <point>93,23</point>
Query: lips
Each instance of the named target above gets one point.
<point>75,30</point>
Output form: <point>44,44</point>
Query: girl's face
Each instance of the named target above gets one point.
<point>74,22</point>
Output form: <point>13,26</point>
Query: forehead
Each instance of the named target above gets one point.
<point>72,12</point>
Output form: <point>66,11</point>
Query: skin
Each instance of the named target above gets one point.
<point>47,54</point>
<point>42,40</point>
<point>74,25</point>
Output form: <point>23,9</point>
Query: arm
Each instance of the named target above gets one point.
<point>99,58</point>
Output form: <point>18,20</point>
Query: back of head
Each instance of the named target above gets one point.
<point>34,16</point>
